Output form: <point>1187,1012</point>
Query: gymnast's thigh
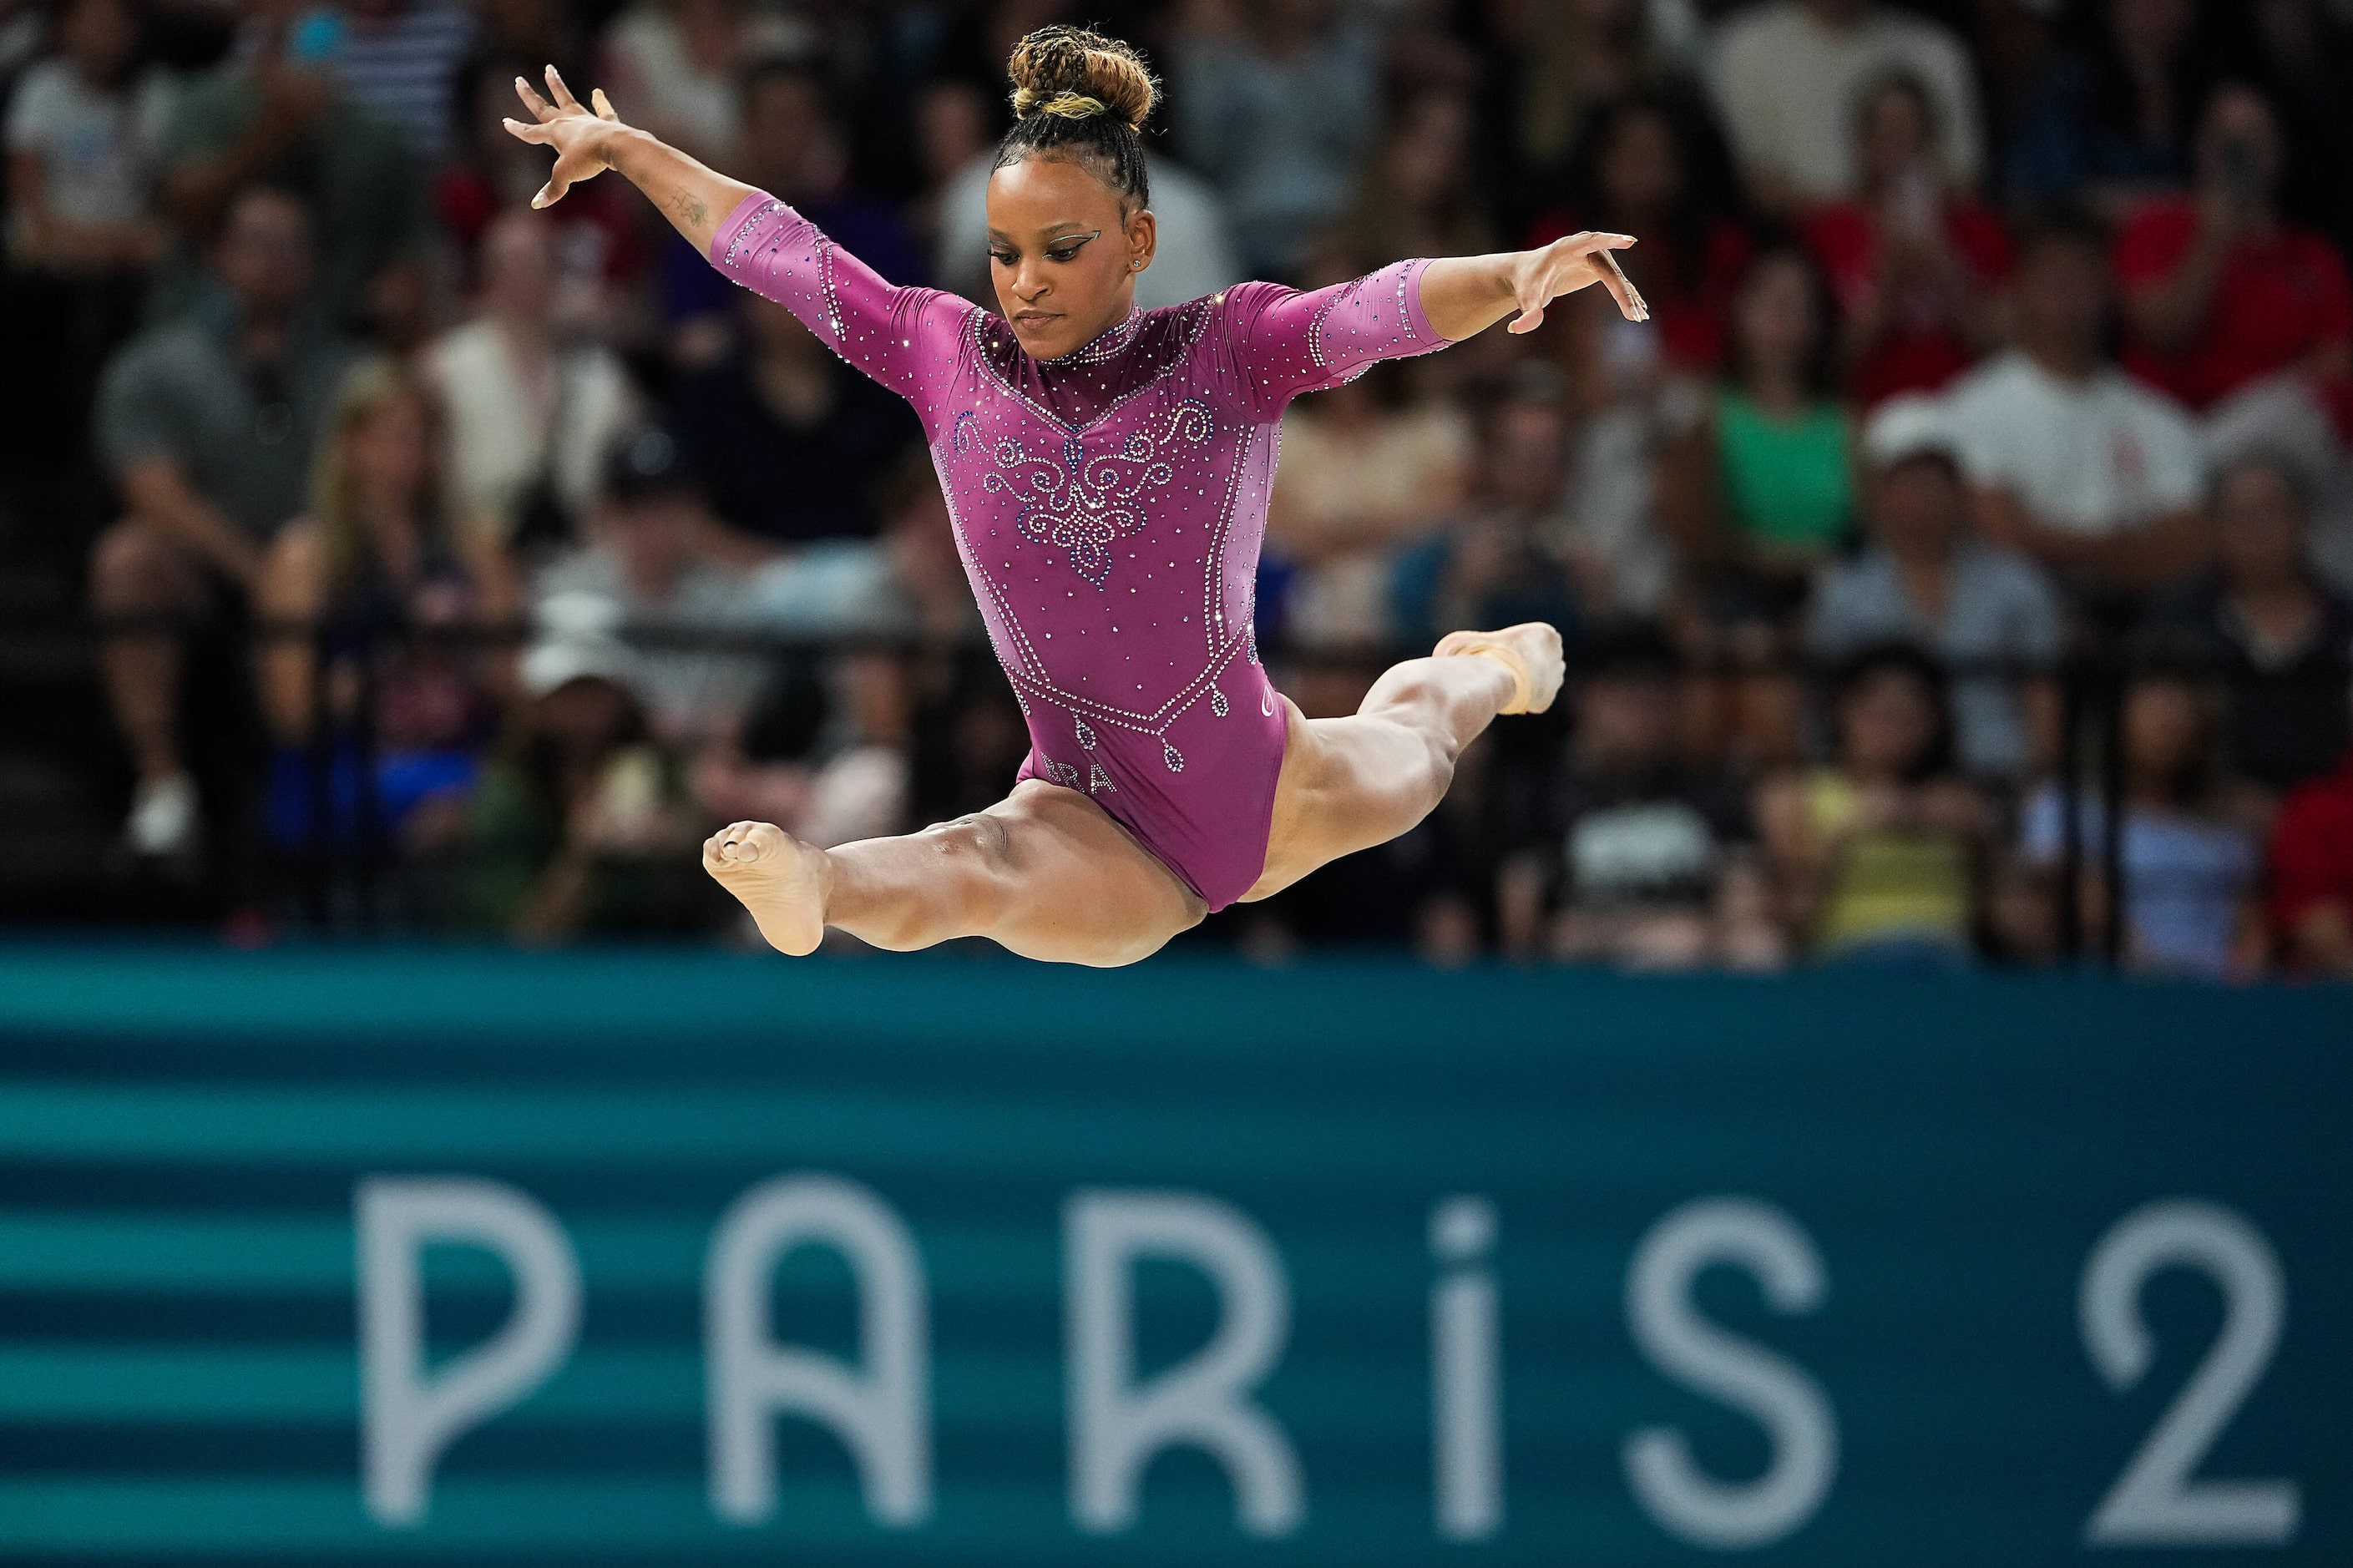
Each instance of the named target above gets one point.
<point>1347,784</point>
<point>1077,886</point>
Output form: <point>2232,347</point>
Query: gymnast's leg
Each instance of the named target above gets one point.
<point>1044,872</point>
<point>1350,784</point>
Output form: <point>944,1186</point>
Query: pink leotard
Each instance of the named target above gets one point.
<point>1109,507</point>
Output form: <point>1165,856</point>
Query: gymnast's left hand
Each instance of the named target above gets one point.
<point>1539,277</point>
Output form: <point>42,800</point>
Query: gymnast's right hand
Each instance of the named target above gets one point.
<point>583,141</point>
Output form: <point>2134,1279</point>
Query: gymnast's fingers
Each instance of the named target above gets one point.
<point>563,99</point>
<point>604,106</point>
<point>539,107</point>
<point>1621,288</point>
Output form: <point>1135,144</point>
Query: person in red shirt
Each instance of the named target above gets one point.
<point>2219,291</point>
<point>2312,875</point>
<point>1917,266</point>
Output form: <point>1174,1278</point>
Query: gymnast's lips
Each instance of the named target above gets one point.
<point>1033,320</point>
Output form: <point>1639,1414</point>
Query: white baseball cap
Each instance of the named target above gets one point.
<point>1910,424</point>
<point>559,660</point>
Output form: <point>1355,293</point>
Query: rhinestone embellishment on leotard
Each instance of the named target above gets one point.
<point>1086,735</point>
<point>1083,505</point>
<point>1173,757</point>
<point>1217,703</point>
<point>1099,780</point>
<point>1062,773</point>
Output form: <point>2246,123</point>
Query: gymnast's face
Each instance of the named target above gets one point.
<point>1064,250</point>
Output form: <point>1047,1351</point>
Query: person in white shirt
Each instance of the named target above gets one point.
<point>85,134</point>
<point>530,417</point>
<point>1789,77</point>
<point>2072,462</point>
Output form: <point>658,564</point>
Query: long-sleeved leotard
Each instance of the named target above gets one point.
<point>1109,508</point>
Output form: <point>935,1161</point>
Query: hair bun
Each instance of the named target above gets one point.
<point>1075,74</point>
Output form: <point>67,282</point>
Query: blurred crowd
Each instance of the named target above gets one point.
<point>1996,394</point>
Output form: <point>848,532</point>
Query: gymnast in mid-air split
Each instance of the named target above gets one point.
<point>1108,470</point>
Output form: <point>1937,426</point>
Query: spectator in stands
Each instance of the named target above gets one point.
<point>1499,560</point>
<point>2304,58</point>
<point>1754,493</point>
<point>1367,472</point>
<point>2220,290</point>
<point>1636,859</point>
<point>397,59</point>
<point>2074,464</point>
<point>1633,404</point>
<point>531,415</point>
<point>2190,859</point>
<point>953,130</point>
<point>1276,106</point>
<point>1761,490</point>
<point>2311,866</point>
<point>207,423</point>
<point>84,138</point>
<point>1925,580</point>
<point>2110,126</point>
<point>1641,169</point>
<point>1877,853</point>
<point>825,753</point>
<point>1788,75</point>
<point>677,65</point>
<point>649,566</point>
<point>379,570</point>
<point>789,440</point>
<point>1555,69</point>
<point>2282,643</point>
<point>581,824</point>
<point>1917,263</point>
<point>1418,194</point>
<point>272,113</point>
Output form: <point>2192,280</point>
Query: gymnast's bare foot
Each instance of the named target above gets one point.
<point>778,878</point>
<point>1531,651</point>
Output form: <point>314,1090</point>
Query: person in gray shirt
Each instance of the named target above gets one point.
<point>1925,581</point>
<point>205,423</point>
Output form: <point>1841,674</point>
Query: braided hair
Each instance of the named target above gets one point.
<point>1082,97</point>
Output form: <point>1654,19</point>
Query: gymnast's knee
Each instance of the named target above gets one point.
<point>976,853</point>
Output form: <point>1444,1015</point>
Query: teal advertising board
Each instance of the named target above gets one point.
<point>606,1257</point>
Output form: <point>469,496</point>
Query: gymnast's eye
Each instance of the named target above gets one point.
<point>1068,250</point>
<point>1003,257</point>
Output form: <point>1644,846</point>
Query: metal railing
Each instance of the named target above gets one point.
<point>335,876</point>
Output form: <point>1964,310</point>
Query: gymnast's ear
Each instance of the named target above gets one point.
<point>1143,232</point>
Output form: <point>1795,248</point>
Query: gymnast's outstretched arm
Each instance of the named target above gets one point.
<point>894,334</point>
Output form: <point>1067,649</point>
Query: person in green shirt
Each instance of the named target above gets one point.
<point>1768,482</point>
<point>1757,495</point>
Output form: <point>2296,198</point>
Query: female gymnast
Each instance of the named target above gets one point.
<point>1108,472</point>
